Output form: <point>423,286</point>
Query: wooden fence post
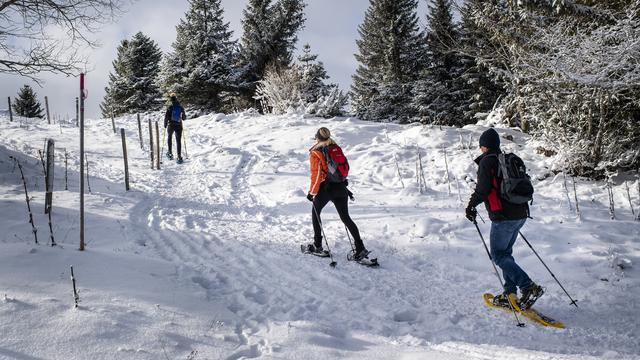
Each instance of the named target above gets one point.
<point>10,111</point>
<point>575,197</point>
<point>126,161</point>
<point>46,105</point>
<point>77,112</point>
<point>87,162</point>
<point>66,173</point>
<point>76,298</point>
<point>49,176</point>
<point>81,162</point>
<point>446,164</point>
<point>157,147</point>
<point>113,124</point>
<point>151,148</point>
<point>140,132</point>
<point>34,230</point>
<point>49,185</point>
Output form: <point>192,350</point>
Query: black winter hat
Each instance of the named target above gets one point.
<point>490,139</point>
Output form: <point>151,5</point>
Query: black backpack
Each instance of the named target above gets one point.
<point>516,186</point>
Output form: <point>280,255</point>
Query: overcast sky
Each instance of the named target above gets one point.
<point>331,29</point>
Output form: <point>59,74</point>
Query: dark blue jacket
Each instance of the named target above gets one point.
<point>167,115</point>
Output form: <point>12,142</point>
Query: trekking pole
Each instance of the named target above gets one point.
<point>162,146</point>
<point>519,323</point>
<point>573,302</point>
<point>353,249</point>
<point>186,153</point>
<point>333,263</point>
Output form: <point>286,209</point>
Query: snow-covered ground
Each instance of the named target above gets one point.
<point>202,260</point>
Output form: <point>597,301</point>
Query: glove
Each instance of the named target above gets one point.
<point>310,197</point>
<point>471,214</point>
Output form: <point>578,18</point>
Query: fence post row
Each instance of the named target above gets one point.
<point>126,161</point>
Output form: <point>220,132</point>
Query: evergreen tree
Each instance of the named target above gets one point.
<point>268,39</point>
<point>390,54</point>
<point>440,93</point>
<point>312,75</point>
<point>144,65</point>
<point>132,84</point>
<point>482,90</point>
<point>199,68</point>
<point>27,103</point>
<point>119,88</point>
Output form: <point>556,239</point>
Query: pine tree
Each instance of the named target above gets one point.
<point>481,88</point>
<point>119,87</point>
<point>199,68</point>
<point>133,83</point>
<point>440,94</point>
<point>312,75</point>
<point>27,103</point>
<point>390,54</point>
<point>268,39</point>
<point>144,61</point>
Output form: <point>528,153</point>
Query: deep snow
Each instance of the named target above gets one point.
<point>202,260</point>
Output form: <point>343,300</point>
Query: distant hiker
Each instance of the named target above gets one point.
<point>506,220</point>
<point>328,183</point>
<point>173,122</point>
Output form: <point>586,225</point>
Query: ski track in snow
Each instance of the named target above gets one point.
<point>232,217</point>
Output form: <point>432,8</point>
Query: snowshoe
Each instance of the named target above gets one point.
<point>313,250</point>
<point>362,258</point>
<point>531,314</point>
<point>169,156</point>
<point>180,161</point>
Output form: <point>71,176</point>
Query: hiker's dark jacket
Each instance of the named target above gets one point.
<point>487,191</point>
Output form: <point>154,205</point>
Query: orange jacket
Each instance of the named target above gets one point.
<point>319,168</point>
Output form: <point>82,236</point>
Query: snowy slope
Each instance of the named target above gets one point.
<point>202,260</point>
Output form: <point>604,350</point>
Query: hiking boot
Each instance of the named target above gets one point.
<point>530,295</point>
<point>501,300</point>
<point>180,161</point>
<point>315,249</point>
<point>169,155</point>
<point>362,254</point>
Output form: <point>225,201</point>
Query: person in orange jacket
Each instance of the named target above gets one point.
<point>322,191</point>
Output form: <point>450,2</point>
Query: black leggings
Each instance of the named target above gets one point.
<point>341,203</point>
<point>177,128</point>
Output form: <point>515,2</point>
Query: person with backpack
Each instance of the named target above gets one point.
<point>329,169</point>
<point>504,188</point>
<point>173,122</point>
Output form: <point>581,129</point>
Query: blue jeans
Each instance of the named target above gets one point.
<point>503,236</point>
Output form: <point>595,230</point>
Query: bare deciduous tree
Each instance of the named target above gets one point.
<point>45,35</point>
